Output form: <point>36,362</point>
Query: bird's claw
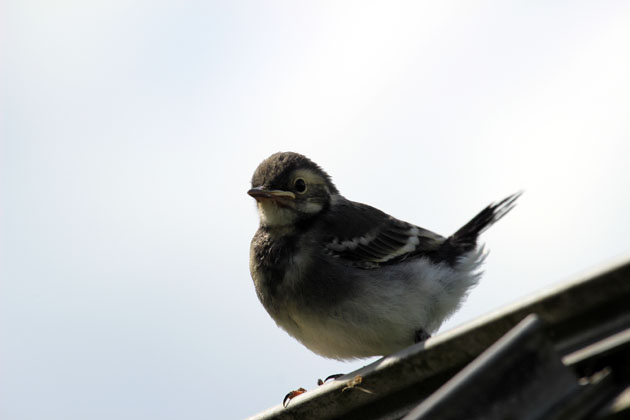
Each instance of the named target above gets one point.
<point>291,395</point>
<point>335,376</point>
<point>300,391</point>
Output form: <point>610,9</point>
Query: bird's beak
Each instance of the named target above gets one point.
<point>260,193</point>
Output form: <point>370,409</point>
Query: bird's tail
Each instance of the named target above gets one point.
<point>466,237</point>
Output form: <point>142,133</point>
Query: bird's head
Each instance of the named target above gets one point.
<point>289,188</point>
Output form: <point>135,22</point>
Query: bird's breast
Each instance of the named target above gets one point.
<point>270,260</point>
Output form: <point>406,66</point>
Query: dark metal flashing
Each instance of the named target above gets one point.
<point>583,332</point>
<point>519,377</point>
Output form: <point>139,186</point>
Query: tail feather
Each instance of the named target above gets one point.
<point>468,233</point>
<point>465,239</point>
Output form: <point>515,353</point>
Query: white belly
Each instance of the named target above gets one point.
<point>384,314</point>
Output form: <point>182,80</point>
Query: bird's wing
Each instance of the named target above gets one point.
<point>367,237</point>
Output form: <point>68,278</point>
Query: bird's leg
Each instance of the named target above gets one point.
<point>421,335</point>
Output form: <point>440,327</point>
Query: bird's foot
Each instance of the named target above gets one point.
<point>300,391</point>
<point>335,376</point>
<point>291,395</point>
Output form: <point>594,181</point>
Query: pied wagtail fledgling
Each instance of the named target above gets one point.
<point>347,280</point>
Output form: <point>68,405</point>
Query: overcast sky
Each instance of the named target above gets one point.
<point>131,129</point>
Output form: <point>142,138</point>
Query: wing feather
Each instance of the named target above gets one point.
<point>371,238</point>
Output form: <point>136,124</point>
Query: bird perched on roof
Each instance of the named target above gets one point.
<point>346,279</point>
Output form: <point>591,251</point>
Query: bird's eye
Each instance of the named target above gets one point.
<point>300,185</point>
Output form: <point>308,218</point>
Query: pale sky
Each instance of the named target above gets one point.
<point>131,129</point>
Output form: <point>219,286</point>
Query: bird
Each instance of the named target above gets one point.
<point>347,280</point>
